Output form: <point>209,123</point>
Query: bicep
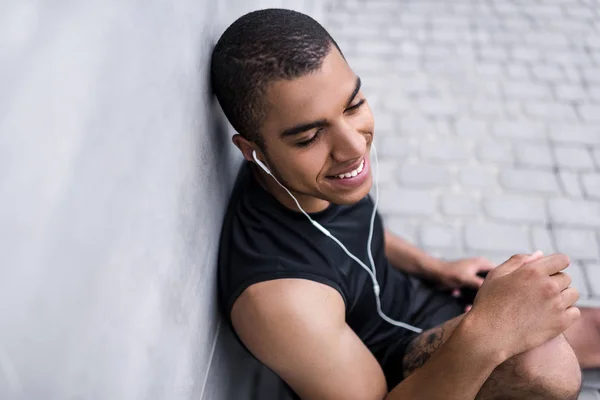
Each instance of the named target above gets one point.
<point>297,328</point>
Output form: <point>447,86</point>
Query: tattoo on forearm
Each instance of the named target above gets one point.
<point>421,349</point>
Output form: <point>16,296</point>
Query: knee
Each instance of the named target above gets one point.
<point>552,370</point>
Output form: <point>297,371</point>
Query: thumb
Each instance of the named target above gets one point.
<point>516,262</point>
<point>475,281</point>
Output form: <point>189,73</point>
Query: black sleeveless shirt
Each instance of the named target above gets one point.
<point>262,240</point>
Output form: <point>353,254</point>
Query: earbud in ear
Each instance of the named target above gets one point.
<point>260,163</point>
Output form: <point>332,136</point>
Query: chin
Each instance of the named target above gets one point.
<point>352,196</point>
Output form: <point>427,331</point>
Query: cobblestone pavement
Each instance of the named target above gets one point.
<point>487,121</point>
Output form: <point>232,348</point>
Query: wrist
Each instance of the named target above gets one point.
<point>475,330</point>
<point>430,266</point>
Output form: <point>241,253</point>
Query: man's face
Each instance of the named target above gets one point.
<point>318,128</point>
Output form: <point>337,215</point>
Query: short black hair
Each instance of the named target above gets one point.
<point>258,48</point>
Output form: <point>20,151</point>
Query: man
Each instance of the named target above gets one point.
<point>305,308</point>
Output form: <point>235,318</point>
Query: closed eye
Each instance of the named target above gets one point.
<point>310,141</point>
<point>357,105</point>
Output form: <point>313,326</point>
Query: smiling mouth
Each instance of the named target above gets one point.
<point>351,174</point>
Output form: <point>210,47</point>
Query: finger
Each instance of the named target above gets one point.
<point>572,314</point>
<point>536,255</point>
<point>485,265</point>
<point>468,308</point>
<point>512,264</point>
<point>456,293</point>
<point>561,280</point>
<point>475,281</point>
<point>569,296</point>
<point>551,264</point>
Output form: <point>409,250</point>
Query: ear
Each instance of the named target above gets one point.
<point>246,147</point>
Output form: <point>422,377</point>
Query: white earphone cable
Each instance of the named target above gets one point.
<point>371,271</point>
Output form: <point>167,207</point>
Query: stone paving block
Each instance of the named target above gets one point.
<point>422,174</point>
<point>574,212</point>
<point>578,244</point>
<point>362,65</point>
<point>477,177</point>
<point>550,111</point>
<point>573,157</point>
<point>471,127</point>
<point>448,21</point>
<point>488,108</point>
<point>496,238</point>
<point>397,102</point>
<point>568,58</point>
<point>433,235</point>
<point>590,112</point>
<point>534,155</point>
<point>494,53</point>
<point>488,69</point>
<point>437,51</point>
<point>518,71</point>
<point>402,227</point>
<point>441,68</point>
<point>591,185</point>
<point>594,92</point>
<point>412,202</point>
<point>506,8</point>
<point>518,129</point>
<point>388,171</point>
<point>570,184</point>
<point>375,47</point>
<point>574,134</point>
<point>385,123</point>
<point>589,394</point>
<point>547,72</point>
<point>515,24</point>
<point>570,92</point>
<point>580,12</point>
<point>416,126</point>
<point>416,85</point>
<point>529,180</point>
<point>459,205</point>
<point>596,155</point>
<point>573,75</point>
<point>516,208</point>
<point>542,240</point>
<point>591,74</point>
<point>495,152</point>
<point>578,279</point>
<point>437,107</point>
<point>445,150</point>
<point>524,90</point>
<point>544,10</point>
<point>592,270</point>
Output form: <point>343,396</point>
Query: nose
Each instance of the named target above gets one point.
<point>348,143</point>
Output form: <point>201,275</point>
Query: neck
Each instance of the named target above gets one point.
<point>310,204</point>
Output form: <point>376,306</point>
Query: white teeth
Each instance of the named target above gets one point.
<point>361,166</point>
<point>352,174</point>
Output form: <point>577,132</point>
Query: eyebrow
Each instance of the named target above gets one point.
<point>322,122</point>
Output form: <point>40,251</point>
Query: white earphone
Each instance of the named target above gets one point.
<point>370,271</point>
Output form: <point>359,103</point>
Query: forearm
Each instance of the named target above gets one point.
<point>457,370</point>
<point>409,258</point>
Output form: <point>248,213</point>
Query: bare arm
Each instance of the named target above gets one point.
<point>297,328</point>
<point>409,258</point>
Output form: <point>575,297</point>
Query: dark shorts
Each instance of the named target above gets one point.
<point>429,308</point>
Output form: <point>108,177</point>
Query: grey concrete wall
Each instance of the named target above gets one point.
<point>115,166</point>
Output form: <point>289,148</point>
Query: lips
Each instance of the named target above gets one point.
<point>351,171</point>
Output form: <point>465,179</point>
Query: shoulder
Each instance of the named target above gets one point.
<point>284,297</point>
